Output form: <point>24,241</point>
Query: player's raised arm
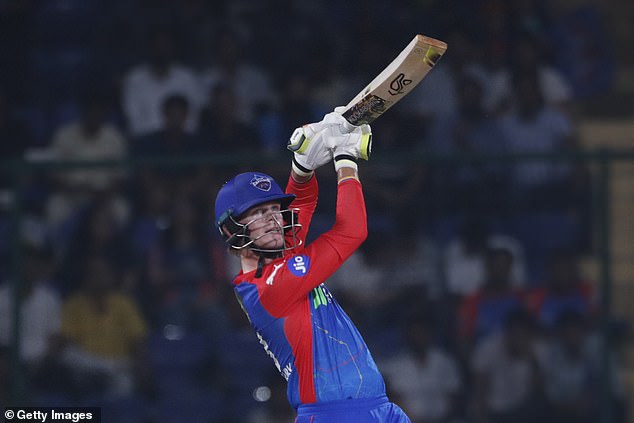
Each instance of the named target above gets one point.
<point>350,228</point>
<point>331,249</point>
<point>349,231</point>
<point>312,147</point>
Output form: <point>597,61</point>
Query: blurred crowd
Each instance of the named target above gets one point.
<point>468,289</point>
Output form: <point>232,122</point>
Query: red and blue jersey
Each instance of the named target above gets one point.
<point>312,341</point>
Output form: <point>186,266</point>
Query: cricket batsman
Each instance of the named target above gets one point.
<point>331,375</point>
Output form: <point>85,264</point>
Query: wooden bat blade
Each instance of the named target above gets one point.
<point>395,81</point>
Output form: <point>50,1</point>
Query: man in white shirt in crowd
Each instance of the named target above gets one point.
<point>147,85</point>
<point>425,378</point>
<point>506,377</point>
<point>39,308</point>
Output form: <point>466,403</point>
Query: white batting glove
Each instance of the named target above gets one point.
<point>336,118</point>
<point>309,150</point>
<point>353,146</point>
<point>313,144</point>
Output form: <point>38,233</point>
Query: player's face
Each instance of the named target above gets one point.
<point>266,225</point>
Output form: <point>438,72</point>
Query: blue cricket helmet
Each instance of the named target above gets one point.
<point>244,191</point>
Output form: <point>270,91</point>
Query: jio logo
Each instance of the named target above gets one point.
<point>299,265</point>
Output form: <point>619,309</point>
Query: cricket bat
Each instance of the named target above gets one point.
<point>395,81</point>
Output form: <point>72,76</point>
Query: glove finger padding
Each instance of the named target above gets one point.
<point>309,148</point>
<point>350,147</point>
<point>313,143</point>
<point>299,141</point>
<point>336,119</point>
<point>357,144</point>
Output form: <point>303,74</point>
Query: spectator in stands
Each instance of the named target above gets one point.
<point>571,365</point>
<point>221,129</point>
<point>100,230</point>
<point>229,67</point>
<point>401,275</point>
<point>425,378</point>
<point>147,85</point>
<point>495,29</point>
<point>366,265</point>
<point>91,137</point>
<point>464,257</point>
<point>40,309</point>
<point>477,187</point>
<point>102,335</point>
<point>235,346</point>
<point>391,189</point>
<point>484,312</point>
<point>585,53</point>
<point>528,56</point>
<point>534,127</point>
<point>506,380</point>
<point>328,85</point>
<point>564,290</point>
<point>173,138</point>
<point>437,96</point>
<point>296,104</point>
<point>411,264</point>
<point>150,215</point>
<point>179,266</point>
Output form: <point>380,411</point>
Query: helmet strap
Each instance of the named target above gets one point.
<point>258,272</point>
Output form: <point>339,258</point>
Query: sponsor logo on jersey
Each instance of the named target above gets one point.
<point>299,265</point>
<point>271,278</point>
<point>260,182</point>
<point>320,296</point>
<point>284,371</point>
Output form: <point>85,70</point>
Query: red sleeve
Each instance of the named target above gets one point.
<point>322,257</point>
<point>350,229</point>
<point>305,200</point>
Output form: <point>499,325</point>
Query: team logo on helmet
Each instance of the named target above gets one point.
<point>260,182</point>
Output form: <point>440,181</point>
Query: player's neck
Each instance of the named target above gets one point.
<point>249,261</point>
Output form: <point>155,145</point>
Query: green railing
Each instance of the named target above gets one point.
<point>602,162</point>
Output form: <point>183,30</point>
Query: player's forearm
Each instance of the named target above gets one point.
<point>306,191</point>
<point>301,178</point>
<point>347,173</point>
<point>351,219</point>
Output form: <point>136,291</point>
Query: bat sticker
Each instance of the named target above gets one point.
<point>431,57</point>
<point>398,83</point>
